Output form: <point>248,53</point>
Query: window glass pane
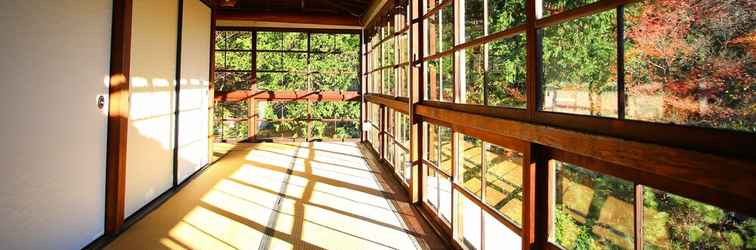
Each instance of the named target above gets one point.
<point>471,176</point>
<point>348,129</point>
<point>445,138</point>
<point>431,188</point>
<point>506,74</point>
<point>475,70</point>
<point>430,4</point>
<point>592,210</point>
<point>579,65</point>
<point>334,81</point>
<point>335,110</point>
<point>281,81</point>
<point>322,42</point>
<point>551,7</point>
<point>376,82</point>
<point>220,39</point>
<point>293,61</point>
<point>234,40</point>
<point>447,78</point>
<point>440,35</point>
<point>503,15</point>
<point>294,41</point>
<point>388,81</point>
<point>471,223</point>
<point>269,40</point>
<point>274,129</point>
<point>406,165</point>
<point>230,81</point>
<point>498,235</point>
<point>432,35</point>
<point>334,62</point>
<point>432,144</point>
<point>232,110</point>
<point>230,60</point>
<point>474,21</point>
<point>688,66</point>
<point>322,130</point>
<point>230,129</point>
<point>447,28</point>
<point>433,81</point>
<point>504,181</point>
<point>403,80</point>
<point>283,110</point>
<point>270,61</point>
<point>675,222</point>
<point>445,197</point>
<point>388,52</point>
<point>403,47</point>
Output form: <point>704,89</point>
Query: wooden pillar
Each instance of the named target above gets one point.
<point>363,85</point>
<point>252,102</point>
<point>211,89</point>
<point>382,134</point>
<point>118,115</point>
<point>252,120</point>
<point>416,96</point>
<point>537,179</point>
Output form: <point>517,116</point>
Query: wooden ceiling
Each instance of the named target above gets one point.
<point>354,8</point>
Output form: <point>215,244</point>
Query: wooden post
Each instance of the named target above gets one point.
<point>118,115</point>
<point>416,96</point>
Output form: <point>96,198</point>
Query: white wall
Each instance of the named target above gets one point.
<point>195,81</point>
<point>149,155</point>
<point>54,62</point>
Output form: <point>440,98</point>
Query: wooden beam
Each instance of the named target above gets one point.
<point>732,176</point>
<point>375,7</point>
<point>241,95</point>
<point>289,17</point>
<point>118,115</point>
<point>396,103</point>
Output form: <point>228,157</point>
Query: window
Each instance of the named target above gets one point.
<point>438,147</point>
<point>440,29</point>
<point>438,141</point>
<point>432,144</point>
<point>591,210</point>
<point>230,120</point>
<point>388,54</point>
<point>579,61</point>
<point>485,17</point>
<point>229,81</point>
<point>504,181</point>
<point>471,224</point>
<point>471,172</point>
<point>506,75</point>
<point>481,229</point>
<point>495,74</point>
<point>551,7</point>
<point>445,139</point>
<point>701,75</point>
<point>431,187</point>
<point>440,79</point>
<point>475,71</point>
<point>497,234</point>
<point>675,222</point>
<point>445,197</point>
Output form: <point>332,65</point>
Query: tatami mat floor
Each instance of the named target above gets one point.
<point>319,195</point>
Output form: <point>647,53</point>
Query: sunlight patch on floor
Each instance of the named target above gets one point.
<point>282,196</point>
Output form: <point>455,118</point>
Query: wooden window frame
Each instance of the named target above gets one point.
<point>662,156</point>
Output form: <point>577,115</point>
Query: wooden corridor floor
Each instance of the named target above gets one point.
<point>320,195</point>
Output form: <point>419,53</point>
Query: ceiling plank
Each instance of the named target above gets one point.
<point>288,17</point>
